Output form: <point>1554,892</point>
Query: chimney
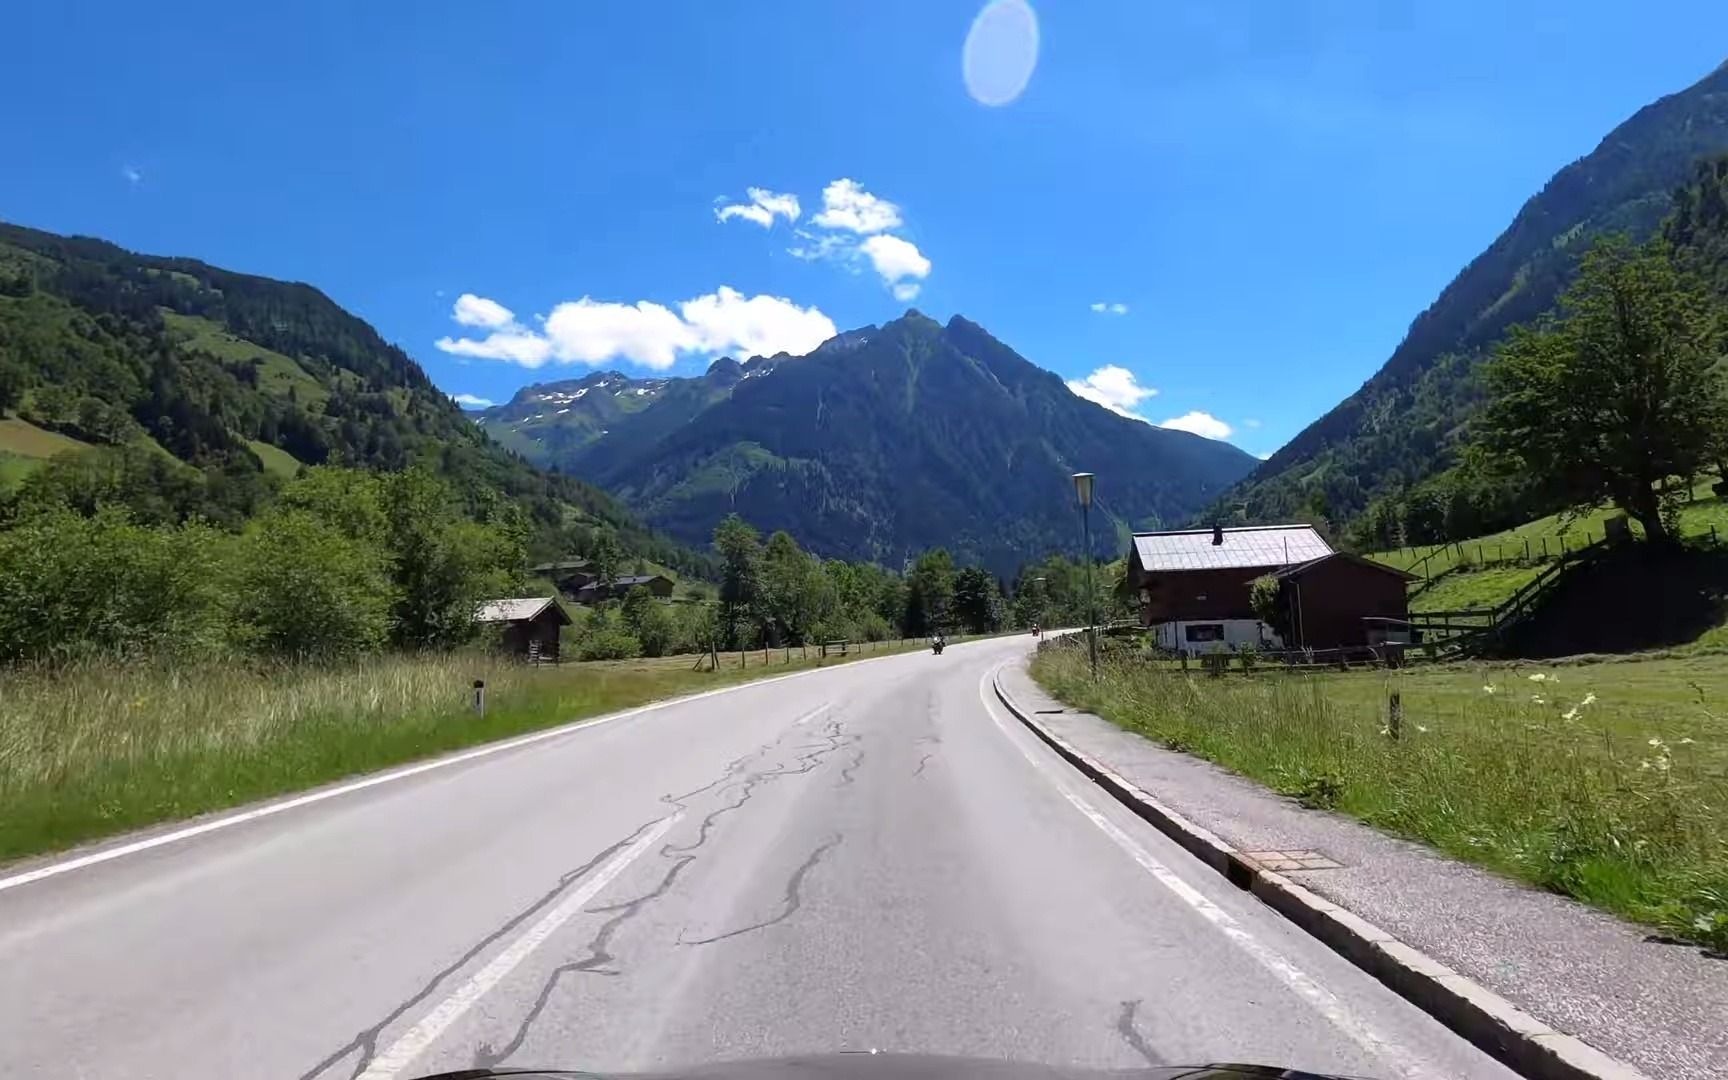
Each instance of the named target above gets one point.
<point>1217,535</point>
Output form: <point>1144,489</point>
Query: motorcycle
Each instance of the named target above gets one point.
<point>936,646</point>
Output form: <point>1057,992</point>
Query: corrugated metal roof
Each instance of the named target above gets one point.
<point>1254,546</point>
<point>511,610</point>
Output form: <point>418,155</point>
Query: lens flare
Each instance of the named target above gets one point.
<point>1001,52</point>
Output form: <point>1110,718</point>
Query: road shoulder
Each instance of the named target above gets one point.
<point>1551,987</point>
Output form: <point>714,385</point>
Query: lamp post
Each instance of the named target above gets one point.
<point>1083,490</point>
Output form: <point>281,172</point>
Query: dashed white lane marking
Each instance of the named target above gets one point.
<point>416,1039</point>
<point>174,837</point>
<point>1324,1001</point>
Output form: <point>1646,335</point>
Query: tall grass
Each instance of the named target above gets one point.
<point>1525,780</point>
<point>91,749</point>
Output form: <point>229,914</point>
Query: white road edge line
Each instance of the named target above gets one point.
<point>174,837</point>
<point>416,1039</point>
<point>1305,986</point>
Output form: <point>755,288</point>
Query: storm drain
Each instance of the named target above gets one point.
<point>1282,861</point>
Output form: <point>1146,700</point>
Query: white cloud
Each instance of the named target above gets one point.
<point>1251,423</point>
<point>472,401</point>
<point>895,258</point>
<point>906,291</point>
<point>725,320</point>
<point>1116,388</point>
<point>517,346</point>
<point>1200,424</point>
<point>651,335</point>
<point>1265,457</point>
<point>593,331</point>
<point>478,311</point>
<point>846,205</point>
<point>131,174</point>
<point>816,246</point>
<point>1103,308</point>
<point>763,207</point>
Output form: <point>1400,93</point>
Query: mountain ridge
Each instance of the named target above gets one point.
<point>882,441</point>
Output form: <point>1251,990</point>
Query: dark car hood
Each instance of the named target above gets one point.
<point>872,1065</point>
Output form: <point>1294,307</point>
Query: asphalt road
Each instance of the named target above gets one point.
<point>872,856</point>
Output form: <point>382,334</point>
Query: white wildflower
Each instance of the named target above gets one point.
<point>1570,714</point>
<point>1538,699</point>
<point>1589,699</point>
<point>1655,741</point>
<point>1490,689</point>
<point>1422,729</point>
<point>1539,677</point>
<point>1686,741</point>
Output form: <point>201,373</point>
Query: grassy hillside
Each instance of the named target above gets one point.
<point>240,380</point>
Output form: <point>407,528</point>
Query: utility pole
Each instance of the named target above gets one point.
<point>1083,489</point>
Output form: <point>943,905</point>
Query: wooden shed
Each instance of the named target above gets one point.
<point>531,625</point>
<point>1342,600</point>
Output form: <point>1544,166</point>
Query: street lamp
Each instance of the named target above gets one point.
<point>1083,491</point>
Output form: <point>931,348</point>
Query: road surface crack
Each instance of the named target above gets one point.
<point>923,761</point>
<point>366,1040</point>
<point>1131,1034</point>
<point>595,963</point>
<point>790,902</point>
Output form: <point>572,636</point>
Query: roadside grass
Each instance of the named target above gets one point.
<point>1606,782</point>
<point>97,749</point>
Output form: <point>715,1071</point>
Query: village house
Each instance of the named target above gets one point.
<point>1194,588</point>
<point>530,626</point>
<point>659,586</point>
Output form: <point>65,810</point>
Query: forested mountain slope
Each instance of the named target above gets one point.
<point>205,386</point>
<point>882,442</point>
<point>1404,424</point>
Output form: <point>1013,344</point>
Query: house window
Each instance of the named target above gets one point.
<point>1204,632</point>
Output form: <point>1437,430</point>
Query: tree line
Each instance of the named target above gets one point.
<point>772,593</point>
<point>345,562</point>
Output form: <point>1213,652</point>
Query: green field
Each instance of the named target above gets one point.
<point>1483,588</point>
<point>275,460</point>
<point>24,439</point>
<point>1545,538</point>
<point>1607,782</point>
<point>276,372</point>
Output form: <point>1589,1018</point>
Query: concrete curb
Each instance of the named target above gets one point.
<point>1488,1020</point>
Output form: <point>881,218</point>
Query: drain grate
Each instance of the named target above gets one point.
<point>1281,861</point>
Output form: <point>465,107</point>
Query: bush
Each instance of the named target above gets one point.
<point>305,590</point>
<point>602,637</point>
<point>74,586</point>
<point>648,620</point>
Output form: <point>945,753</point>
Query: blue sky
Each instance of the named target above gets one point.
<point>1260,196</point>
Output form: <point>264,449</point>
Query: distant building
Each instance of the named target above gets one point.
<point>531,625</point>
<point>658,585</point>
<point>567,574</point>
